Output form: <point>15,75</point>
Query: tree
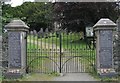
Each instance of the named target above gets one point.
<point>36,15</point>
<point>76,16</point>
<point>6,14</point>
<point>73,16</point>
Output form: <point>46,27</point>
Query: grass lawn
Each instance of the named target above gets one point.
<point>0,79</point>
<point>71,41</point>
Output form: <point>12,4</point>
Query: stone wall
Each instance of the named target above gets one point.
<point>0,55</point>
<point>4,52</point>
<point>115,51</point>
<point>117,47</point>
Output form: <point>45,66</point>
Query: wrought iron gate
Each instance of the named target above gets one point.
<point>63,52</point>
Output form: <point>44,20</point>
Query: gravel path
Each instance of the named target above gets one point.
<point>75,77</point>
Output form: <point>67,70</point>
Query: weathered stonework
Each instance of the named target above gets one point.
<point>0,55</point>
<point>117,47</point>
<point>16,49</point>
<point>104,30</point>
<point>4,59</point>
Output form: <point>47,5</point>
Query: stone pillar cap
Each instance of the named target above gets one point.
<point>105,22</point>
<point>16,24</point>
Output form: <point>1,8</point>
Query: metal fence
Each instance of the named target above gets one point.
<point>60,51</point>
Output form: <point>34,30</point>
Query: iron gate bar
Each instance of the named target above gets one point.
<point>60,51</point>
<point>55,48</point>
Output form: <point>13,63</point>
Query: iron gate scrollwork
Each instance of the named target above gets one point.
<point>63,52</point>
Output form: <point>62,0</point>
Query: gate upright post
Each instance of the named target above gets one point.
<point>104,29</point>
<point>16,48</point>
<point>60,51</point>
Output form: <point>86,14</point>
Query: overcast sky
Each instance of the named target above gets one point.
<point>15,3</point>
<point>18,2</point>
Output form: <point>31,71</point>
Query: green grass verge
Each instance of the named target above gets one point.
<point>37,77</point>
<point>34,77</point>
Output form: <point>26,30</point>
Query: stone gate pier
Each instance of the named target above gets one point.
<point>104,30</point>
<point>16,48</point>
